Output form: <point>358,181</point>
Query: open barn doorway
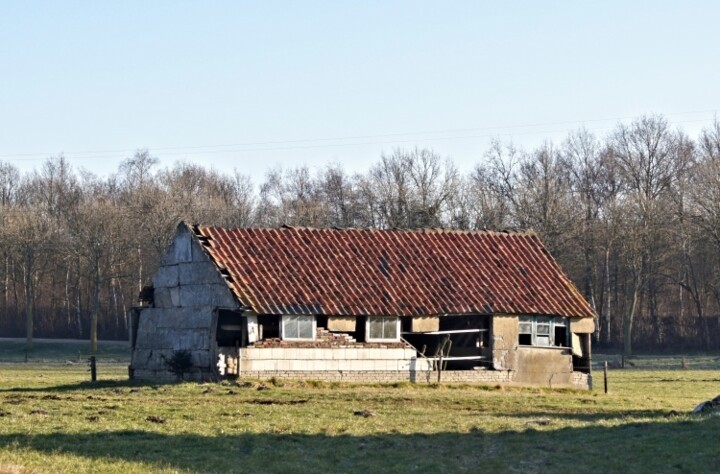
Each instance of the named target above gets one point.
<point>230,329</point>
<point>230,336</point>
<point>464,341</point>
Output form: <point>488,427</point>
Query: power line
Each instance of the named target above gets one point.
<point>319,143</point>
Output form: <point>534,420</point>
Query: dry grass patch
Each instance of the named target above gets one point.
<point>14,469</point>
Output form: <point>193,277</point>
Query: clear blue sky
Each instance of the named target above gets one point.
<point>291,83</point>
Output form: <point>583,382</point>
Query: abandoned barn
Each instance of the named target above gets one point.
<point>363,305</point>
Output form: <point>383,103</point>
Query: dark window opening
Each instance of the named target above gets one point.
<point>561,336</point>
<point>359,333</point>
<point>525,340</point>
<point>406,324</point>
<point>230,329</point>
<point>322,321</point>
<point>269,326</point>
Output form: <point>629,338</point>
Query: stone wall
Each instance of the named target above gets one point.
<point>187,290</point>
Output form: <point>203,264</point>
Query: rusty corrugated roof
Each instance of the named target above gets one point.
<point>391,272</point>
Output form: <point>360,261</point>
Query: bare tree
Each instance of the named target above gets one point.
<point>291,197</point>
<point>633,218</point>
<point>138,190</point>
<point>30,232</point>
<point>702,209</point>
<point>496,187</point>
<point>646,154</point>
<point>340,198</point>
<point>543,198</point>
<point>98,234</point>
<point>412,188</point>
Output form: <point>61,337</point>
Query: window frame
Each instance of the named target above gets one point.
<point>285,317</point>
<point>370,319</point>
<point>547,324</point>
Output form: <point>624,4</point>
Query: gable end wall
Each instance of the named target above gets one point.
<point>187,290</point>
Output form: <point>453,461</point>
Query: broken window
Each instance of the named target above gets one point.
<point>298,327</point>
<point>560,332</point>
<point>525,331</point>
<point>544,331</point>
<point>383,329</point>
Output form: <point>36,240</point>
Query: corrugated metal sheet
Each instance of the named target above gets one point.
<point>391,272</point>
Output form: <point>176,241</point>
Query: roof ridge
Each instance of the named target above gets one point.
<point>422,230</point>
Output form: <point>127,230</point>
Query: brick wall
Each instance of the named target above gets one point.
<point>482,377</point>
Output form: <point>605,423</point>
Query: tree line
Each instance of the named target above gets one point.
<point>632,217</point>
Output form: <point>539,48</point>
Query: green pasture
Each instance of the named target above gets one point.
<point>53,420</point>
<point>63,352</point>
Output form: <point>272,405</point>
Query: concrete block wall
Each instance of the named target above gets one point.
<point>398,365</point>
<point>187,278</point>
<point>347,359</point>
<point>187,290</point>
<point>162,331</point>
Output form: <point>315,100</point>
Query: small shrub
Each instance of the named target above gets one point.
<point>179,363</point>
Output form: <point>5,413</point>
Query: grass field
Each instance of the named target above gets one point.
<point>53,420</point>
<point>63,352</point>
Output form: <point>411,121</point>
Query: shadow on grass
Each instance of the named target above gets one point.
<point>684,444</point>
<point>87,385</point>
<point>534,415</point>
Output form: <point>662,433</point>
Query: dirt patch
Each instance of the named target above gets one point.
<point>14,401</point>
<point>539,422</point>
<point>275,402</point>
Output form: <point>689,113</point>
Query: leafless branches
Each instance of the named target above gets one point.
<point>634,218</point>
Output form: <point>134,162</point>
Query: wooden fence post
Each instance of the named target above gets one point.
<point>93,369</point>
<point>605,376</point>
